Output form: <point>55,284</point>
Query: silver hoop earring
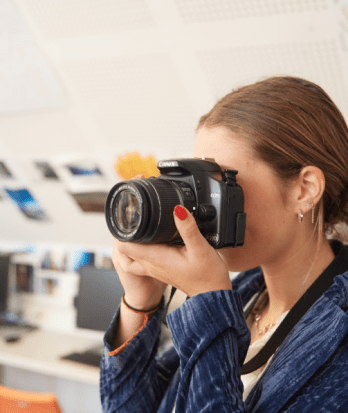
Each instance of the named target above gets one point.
<point>313,207</point>
<point>300,216</point>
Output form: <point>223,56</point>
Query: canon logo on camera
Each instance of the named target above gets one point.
<point>162,164</point>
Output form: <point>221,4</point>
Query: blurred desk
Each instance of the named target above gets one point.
<point>34,363</point>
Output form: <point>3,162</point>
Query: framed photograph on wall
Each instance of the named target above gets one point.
<point>24,278</point>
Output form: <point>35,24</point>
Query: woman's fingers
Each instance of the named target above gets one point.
<point>130,266</point>
<point>156,254</point>
<point>126,264</point>
<point>188,229</point>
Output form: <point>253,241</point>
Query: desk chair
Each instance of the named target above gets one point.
<point>13,401</point>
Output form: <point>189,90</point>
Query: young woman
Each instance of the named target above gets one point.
<point>289,143</point>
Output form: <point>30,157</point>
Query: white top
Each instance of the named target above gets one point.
<point>249,380</point>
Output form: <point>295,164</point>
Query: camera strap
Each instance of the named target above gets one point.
<point>338,266</point>
<point>166,307</point>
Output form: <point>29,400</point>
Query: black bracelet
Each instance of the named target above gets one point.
<point>135,309</point>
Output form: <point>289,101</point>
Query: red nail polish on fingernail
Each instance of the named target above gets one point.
<point>180,212</point>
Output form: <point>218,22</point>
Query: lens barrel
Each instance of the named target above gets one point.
<point>141,210</point>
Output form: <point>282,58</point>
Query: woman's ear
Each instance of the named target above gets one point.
<point>310,187</point>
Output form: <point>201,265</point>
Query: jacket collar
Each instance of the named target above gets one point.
<point>308,346</point>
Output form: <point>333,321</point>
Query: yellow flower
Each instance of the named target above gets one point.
<point>132,164</point>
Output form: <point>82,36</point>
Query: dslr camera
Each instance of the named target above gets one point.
<point>141,210</point>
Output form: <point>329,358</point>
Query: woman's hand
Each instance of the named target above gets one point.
<point>141,291</point>
<point>195,268</point>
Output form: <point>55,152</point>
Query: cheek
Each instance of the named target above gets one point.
<point>266,226</point>
<point>269,226</point>
<point>261,207</point>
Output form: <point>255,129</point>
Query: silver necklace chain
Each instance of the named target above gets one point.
<point>257,315</point>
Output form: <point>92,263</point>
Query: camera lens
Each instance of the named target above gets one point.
<point>127,211</point>
<point>141,210</point>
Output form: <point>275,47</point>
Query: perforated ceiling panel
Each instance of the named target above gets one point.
<point>70,18</point>
<point>136,99</point>
<point>198,11</point>
<point>317,61</point>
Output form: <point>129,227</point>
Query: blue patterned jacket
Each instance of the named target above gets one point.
<point>308,372</point>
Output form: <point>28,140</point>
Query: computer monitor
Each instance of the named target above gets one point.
<point>4,268</point>
<point>100,293</point>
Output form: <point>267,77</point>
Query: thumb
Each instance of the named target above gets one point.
<point>188,229</point>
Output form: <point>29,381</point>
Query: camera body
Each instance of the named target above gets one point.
<point>216,204</point>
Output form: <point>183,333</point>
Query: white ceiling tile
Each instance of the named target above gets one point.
<point>319,62</point>
<point>71,18</point>
<point>135,99</point>
<point>200,11</point>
